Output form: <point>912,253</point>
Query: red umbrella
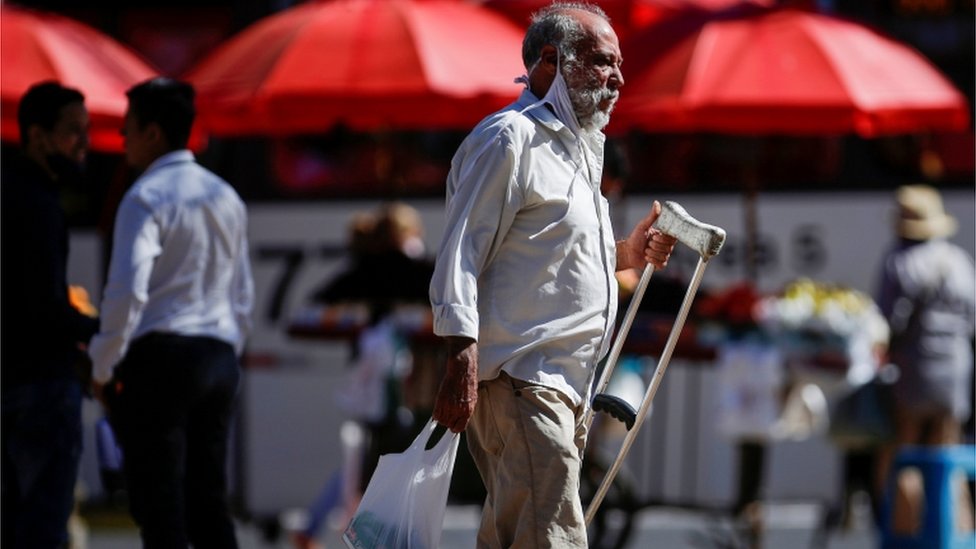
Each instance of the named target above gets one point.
<point>37,46</point>
<point>782,72</point>
<point>786,71</point>
<point>368,64</point>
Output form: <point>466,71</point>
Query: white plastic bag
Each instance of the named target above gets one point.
<point>404,503</point>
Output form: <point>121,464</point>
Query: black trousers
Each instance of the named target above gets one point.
<point>170,403</point>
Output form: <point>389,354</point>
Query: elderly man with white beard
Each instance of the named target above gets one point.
<point>524,291</point>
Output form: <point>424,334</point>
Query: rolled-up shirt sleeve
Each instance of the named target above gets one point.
<point>482,199</point>
<point>135,247</point>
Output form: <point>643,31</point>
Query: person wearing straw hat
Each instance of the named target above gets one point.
<point>928,295</point>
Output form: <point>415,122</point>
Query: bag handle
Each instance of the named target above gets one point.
<point>420,443</point>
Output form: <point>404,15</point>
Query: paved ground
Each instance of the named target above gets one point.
<point>788,526</point>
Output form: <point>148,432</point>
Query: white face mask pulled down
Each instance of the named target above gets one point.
<point>558,97</point>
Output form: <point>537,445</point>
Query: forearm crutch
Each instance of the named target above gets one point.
<point>705,239</point>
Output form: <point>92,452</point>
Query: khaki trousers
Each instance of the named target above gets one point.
<point>527,442</point>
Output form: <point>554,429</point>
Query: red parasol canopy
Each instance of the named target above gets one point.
<point>782,72</point>
<point>368,64</point>
<point>36,46</point>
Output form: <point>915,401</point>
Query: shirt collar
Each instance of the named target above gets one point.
<point>547,118</point>
<point>543,115</point>
<point>172,157</point>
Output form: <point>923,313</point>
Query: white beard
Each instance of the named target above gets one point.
<point>586,97</point>
<point>597,121</point>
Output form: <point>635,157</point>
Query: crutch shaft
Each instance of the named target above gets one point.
<point>622,332</point>
<point>662,365</point>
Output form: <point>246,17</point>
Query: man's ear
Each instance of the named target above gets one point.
<point>549,59</point>
<point>36,136</point>
<point>155,134</point>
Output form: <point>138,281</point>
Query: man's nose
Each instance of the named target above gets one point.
<point>617,78</point>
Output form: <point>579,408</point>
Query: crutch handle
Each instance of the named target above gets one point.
<point>616,407</point>
<point>705,239</point>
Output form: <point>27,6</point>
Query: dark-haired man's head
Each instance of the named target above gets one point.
<point>53,125</point>
<point>158,120</point>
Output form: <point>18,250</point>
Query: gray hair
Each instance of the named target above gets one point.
<point>554,25</point>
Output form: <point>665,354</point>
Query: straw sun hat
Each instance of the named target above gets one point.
<point>920,214</point>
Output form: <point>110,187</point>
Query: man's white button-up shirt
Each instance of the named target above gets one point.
<point>179,262</point>
<point>527,263</point>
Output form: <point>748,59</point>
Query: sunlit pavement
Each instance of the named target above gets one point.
<point>787,526</point>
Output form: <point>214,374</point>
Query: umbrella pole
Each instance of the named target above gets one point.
<point>750,179</point>
<point>751,226</point>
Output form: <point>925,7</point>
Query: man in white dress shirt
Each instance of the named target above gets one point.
<point>524,288</point>
<point>175,314</point>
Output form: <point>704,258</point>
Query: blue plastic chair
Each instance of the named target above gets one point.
<point>938,467</point>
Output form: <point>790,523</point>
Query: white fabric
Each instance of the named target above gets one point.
<point>526,266</point>
<point>179,262</point>
<point>363,393</point>
<point>557,97</point>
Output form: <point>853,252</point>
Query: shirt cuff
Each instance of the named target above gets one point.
<point>456,320</point>
<point>102,364</point>
<point>101,373</point>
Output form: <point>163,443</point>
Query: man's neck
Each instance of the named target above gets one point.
<point>39,158</point>
<point>157,156</point>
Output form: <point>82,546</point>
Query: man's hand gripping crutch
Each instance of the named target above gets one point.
<point>705,239</point>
